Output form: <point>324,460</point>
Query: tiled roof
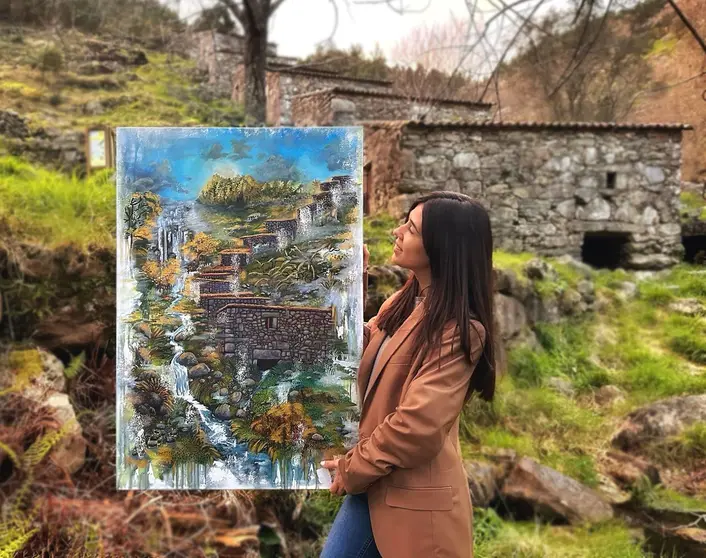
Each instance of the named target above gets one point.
<point>488,124</point>
<point>276,307</point>
<point>385,94</point>
<point>323,73</point>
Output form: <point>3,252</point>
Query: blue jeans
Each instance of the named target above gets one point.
<point>351,534</point>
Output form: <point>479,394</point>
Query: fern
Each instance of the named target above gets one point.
<point>75,366</point>
<point>17,529</point>
<point>25,364</point>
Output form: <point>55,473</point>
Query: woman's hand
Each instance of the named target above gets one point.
<point>366,257</point>
<point>337,485</point>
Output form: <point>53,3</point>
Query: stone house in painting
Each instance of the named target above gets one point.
<point>269,333</point>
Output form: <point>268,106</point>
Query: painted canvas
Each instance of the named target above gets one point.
<point>239,305</point>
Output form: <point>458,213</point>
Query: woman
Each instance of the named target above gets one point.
<point>428,349</point>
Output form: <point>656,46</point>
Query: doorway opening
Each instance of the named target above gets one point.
<point>604,249</point>
<point>695,249</point>
<point>266,363</point>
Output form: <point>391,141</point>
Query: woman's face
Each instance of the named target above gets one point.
<point>409,246</point>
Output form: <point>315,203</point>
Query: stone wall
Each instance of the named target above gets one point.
<point>381,150</point>
<point>286,226</point>
<point>210,286</point>
<point>64,150</point>
<point>277,332</point>
<point>218,55</point>
<point>546,186</point>
<point>236,257</point>
<point>259,242</point>
<point>344,106</point>
<point>288,83</point>
<point>212,303</point>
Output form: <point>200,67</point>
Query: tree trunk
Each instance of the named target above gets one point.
<point>255,61</point>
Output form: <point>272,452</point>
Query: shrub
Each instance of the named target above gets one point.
<point>51,60</point>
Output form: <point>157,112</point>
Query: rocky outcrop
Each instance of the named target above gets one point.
<point>658,421</point>
<point>553,495</point>
<point>519,304</point>
<point>528,488</point>
<point>12,125</point>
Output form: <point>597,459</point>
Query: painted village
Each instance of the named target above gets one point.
<point>239,340</point>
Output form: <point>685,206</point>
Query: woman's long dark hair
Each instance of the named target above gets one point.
<point>458,241</point>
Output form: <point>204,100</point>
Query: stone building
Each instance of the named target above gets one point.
<point>606,193</point>
<point>269,333</point>
<point>345,106</point>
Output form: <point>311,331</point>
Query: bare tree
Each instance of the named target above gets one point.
<point>429,54</point>
<point>254,17</point>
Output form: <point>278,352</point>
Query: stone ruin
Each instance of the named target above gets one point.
<point>604,192</point>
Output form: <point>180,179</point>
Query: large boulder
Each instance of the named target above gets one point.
<point>628,470</point>
<point>511,315</point>
<point>187,359</point>
<point>660,420</point>
<point>553,495</point>
<point>537,268</point>
<point>70,451</point>
<point>199,371</point>
<point>223,412</point>
<point>482,481</point>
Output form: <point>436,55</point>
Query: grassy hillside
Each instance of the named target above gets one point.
<point>62,82</point>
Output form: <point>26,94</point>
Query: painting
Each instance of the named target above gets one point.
<point>240,319</point>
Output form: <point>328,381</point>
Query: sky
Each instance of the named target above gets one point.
<point>298,25</point>
<point>177,162</point>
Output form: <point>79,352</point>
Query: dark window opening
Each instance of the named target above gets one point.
<point>270,323</point>
<point>610,180</point>
<point>367,178</point>
<point>694,249</point>
<point>266,363</point>
<point>604,249</point>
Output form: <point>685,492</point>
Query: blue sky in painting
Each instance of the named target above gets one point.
<point>177,162</point>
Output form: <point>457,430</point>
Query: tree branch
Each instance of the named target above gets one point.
<point>236,10</point>
<point>400,10</point>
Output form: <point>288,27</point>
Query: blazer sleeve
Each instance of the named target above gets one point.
<point>414,434</point>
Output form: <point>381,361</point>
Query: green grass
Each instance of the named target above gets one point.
<point>496,538</point>
<point>163,92</point>
<point>55,209</point>
<point>692,202</point>
<point>663,498</point>
<point>377,233</point>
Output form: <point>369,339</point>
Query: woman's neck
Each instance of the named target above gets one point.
<point>423,277</point>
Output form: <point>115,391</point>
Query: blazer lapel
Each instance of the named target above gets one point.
<point>366,362</point>
<point>399,337</point>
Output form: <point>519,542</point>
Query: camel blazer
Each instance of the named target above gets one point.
<point>408,457</point>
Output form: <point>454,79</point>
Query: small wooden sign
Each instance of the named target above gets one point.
<point>99,149</point>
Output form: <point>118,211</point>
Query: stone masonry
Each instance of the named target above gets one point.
<point>268,332</point>
<point>213,302</point>
<point>284,83</point>
<point>342,106</point>
<point>546,186</point>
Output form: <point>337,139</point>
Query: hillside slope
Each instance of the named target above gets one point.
<point>674,78</point>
